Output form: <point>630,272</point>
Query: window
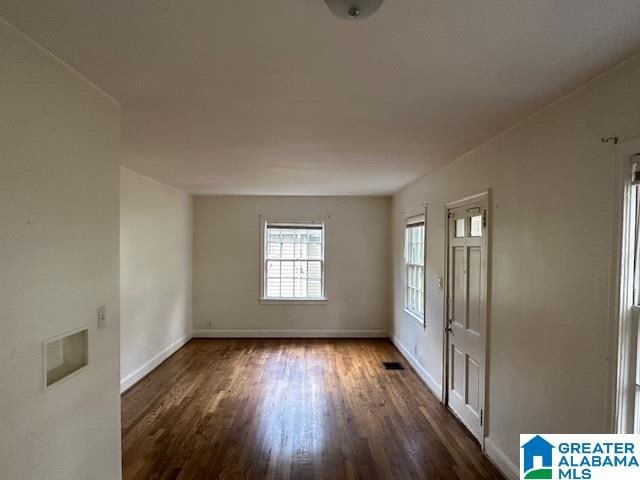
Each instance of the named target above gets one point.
<point>634,268</point>
<point>628,382</point>
<point>293,261</point>
<point>414,267</point>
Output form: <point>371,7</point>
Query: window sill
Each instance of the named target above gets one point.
<point>417,318</point>
<point>293,301</point>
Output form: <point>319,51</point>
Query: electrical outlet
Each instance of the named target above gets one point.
<point>102,317</point>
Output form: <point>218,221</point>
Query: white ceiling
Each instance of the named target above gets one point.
<point>281,97</point>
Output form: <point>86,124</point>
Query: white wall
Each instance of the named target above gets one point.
<point>59,156</point>
<point>552,227</point>
<point>156,238</point>
<point>227,266</point>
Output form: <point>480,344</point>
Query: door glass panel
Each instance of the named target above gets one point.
<point>476,226</point>
<point>460,228</point>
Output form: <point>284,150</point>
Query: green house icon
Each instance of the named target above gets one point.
<point>538,447</point>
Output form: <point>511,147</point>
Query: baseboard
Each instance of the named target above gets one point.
<point>213,333</point>
<point>500,459</point>
<point>491,450</point>
<point>428,380</point>
<point>134,377</point>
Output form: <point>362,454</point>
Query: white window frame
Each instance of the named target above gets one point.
<point>414,220</point>
<point>626,308</point>
<point>264,258</point>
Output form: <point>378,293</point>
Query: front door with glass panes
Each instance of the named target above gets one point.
<point>466,312</point>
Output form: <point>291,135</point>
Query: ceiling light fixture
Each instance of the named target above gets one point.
<point>353,9</point>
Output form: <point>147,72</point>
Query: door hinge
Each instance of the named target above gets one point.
<point>484,218</point>
<point>450,214</point>
<point>481,417</point>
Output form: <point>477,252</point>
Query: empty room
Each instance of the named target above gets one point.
<point>319,239</point>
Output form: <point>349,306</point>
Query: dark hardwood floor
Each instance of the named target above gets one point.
<point>291,409</point>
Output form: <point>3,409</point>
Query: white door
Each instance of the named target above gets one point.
<point>466,312</point>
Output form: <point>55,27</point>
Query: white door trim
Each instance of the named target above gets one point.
<point>486,197</point>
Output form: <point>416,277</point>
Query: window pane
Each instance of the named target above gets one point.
<point>415,244</point>
<point>273,269</point>
<point>273,235</point>
<point>300,287</point>
<point>273,250</point>
<point>289,236</point>
<point>476,226</point>
<point>301,269</point>
<point>315,270</point>
<point>288,250</point>
<point>314,250</point>
<point>314,289</point>
<point>273,287</point>
<point>286,288</point>
<point>460,227</point>
<point>286,269</point>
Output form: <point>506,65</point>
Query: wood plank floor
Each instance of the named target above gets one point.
<point>291,409</point>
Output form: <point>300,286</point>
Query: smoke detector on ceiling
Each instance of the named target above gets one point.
<point>353,9</point>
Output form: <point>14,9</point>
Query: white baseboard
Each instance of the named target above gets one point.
<point>138,374</point>
<point>500,459</point>
<point>495,454</point>
<point>429,381</point>
<point>213,333</point>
